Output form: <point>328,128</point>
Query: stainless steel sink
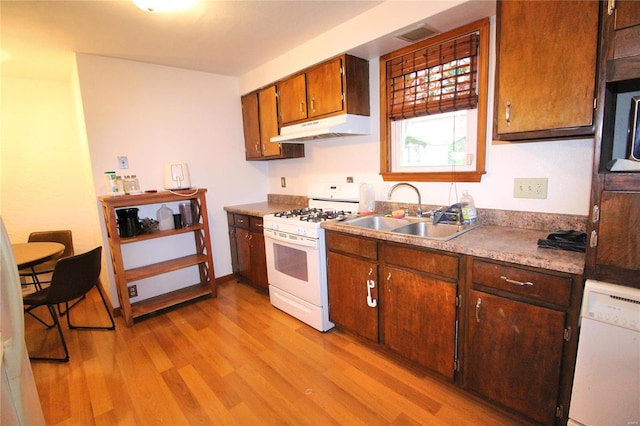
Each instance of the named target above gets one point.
<point>441,231</point>
<point>411,226</point>
<point>379,223</point>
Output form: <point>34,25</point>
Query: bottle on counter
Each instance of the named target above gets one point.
<point>469,213</point>
<point>367,204</point>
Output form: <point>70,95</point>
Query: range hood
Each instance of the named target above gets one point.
<point>338,125</point>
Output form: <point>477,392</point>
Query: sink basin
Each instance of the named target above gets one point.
<point>418,227</point>
<point>379,223</point>
<point>441,231</point>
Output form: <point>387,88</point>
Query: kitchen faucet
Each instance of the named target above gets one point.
<point>419,210</point>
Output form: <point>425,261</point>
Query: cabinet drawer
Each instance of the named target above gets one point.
<point>255,223</point>
<point>532,284</point>
<point>441,264</point>
<point>353,245</point>
<point>241,220</point>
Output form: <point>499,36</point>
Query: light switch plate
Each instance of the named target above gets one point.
<point>530,187</point>
<point>123,162</point>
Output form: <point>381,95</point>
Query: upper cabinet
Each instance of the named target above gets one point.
<point>613,253</point>
<point>545,79</point>
<point>260,123</point>
<point>340,85</point>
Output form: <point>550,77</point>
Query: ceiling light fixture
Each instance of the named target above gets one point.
<point>159,6</point>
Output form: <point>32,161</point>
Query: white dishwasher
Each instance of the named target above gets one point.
<point>606,385</point>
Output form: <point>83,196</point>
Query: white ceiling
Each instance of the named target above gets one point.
<point>217,36</point>
<point>38,38</point>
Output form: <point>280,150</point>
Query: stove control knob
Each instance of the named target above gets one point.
<point>302,231</point>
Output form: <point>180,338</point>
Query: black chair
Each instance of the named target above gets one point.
<point>63,237</point>
<point>72,277</point>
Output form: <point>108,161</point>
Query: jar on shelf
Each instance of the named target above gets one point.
<point>131,185</point>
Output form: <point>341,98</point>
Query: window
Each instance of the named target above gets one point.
<point>433,106</point>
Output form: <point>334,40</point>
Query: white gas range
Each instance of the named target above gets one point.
<point>296,255</point>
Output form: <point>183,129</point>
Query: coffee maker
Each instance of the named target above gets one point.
<point>128,222</point>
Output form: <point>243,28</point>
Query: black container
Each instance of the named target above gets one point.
<point>128,222</point>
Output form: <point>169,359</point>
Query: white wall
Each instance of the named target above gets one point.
<point>155,114</point>
<point>44,162</point>
<point>567,163</point>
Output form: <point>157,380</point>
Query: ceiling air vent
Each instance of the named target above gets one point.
<point>417,34</point>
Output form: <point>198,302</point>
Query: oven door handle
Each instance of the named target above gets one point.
<point>291,240</point>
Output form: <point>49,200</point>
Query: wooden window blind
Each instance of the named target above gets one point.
<point>434,79</point>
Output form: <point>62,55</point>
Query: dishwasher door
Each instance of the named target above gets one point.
<point>606,385</point>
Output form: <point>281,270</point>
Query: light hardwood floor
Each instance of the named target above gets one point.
<point>234,360</point>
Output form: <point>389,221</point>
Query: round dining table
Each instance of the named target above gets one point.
<point>31,254</point>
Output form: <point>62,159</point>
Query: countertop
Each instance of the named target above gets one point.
<point>261,209</point>
<point>515,245</point>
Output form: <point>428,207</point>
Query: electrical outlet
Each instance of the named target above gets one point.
<point>133,291</point>
<point>530,187</point>
<point>283,182</point>
<point>349,179</point>
<point>123,162</point>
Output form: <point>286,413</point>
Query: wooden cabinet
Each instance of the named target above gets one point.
<point>337,86</point>
<point>202,256</point>
<point>520,338</point>
<point>613,253</point>
<point>545,80</point>
<point>260,123</point>
<point>418,295</point>
<point>401,297</point>
<point>352,267</point>
<point>247,249</point>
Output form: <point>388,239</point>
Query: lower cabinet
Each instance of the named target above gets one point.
<point>503,331</point>
<point>248,257</point>
<point>418,305</point>
<point>397,296</point>
<point>352,274</point>
<point>521,338</point>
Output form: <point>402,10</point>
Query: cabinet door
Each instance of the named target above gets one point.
<point>545,80</point>
<point>418,316</point>
<point>627,13</point>
<point>258,261</point>
<point>348,307</point>
<point>244,252</point>
<point>292,98</point>
<point>251,126</point>
<point>514,354</point>
<point>325,92</point>
<point>268,121</point>
<point>618,243</point>
<point>233,244</point>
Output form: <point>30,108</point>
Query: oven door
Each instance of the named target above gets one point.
<point>295,265</point>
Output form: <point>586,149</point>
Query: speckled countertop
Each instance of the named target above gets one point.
<point>510,243</point>
<point>261,209</point>
<point>514,245</point>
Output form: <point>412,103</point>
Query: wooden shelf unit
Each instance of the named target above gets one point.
<point>203,257</point>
